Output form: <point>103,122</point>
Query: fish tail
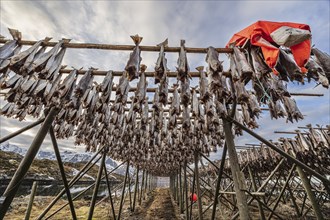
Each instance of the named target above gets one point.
<point>47,39</point>
<point>15,33</point>
<point>200,68</point>
<point>164,43</point>
<point>137,39</point>
<point>182,42</point>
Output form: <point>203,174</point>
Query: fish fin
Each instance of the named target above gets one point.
<point>66,40</point>
<point>164,43</point>
<point>47,39</point>
<point>200,68</point>
<point>137,39</point>
<point>15,34</point>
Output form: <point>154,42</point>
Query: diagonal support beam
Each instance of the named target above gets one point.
<point>25,164</point>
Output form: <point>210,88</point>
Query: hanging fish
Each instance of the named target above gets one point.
<point>141,90</point>
<point>185,94</point>
<point>183,68</point>
<point>163,91</point>
<point>258,63</point>
<point>39,63</point>
<point>161,68</point>
<point>194,103</point>
<point>292,109</point>
<point>56,65</point>
<point>133,64</point>
<point>5,64</point>
<point>323,60</point>
<point>8,48</point>
<point>287,67</point>
<point>243,66</point>
<point>20,58</point>
<point>203,84</point>
<point>84,83</point>
<point>212,58</point>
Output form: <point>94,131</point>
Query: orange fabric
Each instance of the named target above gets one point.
<point>259,35</point>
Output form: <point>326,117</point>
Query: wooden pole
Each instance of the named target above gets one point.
<point>198,190</point>
<point>61,168</point>
<point>26,162</point>
<point>14,134</point>
<point>254,185</point>
<point>136,186</point>
<point>29,208</point>
<point>310,194</point>
<point>109,191</point>
<point>281,152</point>
<point>121,47</point>
<point>185,186</point>
<point>96,188</point>
<point>123,192</point>
<point>238,176</point>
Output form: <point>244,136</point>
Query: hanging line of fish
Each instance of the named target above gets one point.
<point>164,135</point>
<point>312,147</point>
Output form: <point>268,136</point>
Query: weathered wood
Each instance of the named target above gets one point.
<point>32,194</point>
<point>121,47</point>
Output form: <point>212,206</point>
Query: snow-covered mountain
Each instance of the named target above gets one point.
<point>67,156</point>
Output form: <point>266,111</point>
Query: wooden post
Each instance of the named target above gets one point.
<point>185,186</point>
<point>33,193</point>
<point>25,164</point>
<point>61,168</point>
<point>254,185</point>
<point>238,177</point>
<point>96,188</point>
<point>142,184</point>
<point>136,187</point>
<point>310,194</point>
<point>199,198</point>
<point>109,191</point>
<point>123,192</point>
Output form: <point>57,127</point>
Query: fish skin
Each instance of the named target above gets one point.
<point>43,61</point>
<point>258,63</point>
<point>21,57</point>
<point>212,58</point>
<point>84,83</point>
<point>183,67</point>
<point>5,64</point>
<point>185,94</point>
<point>287,67</point>
<point>203,84</point>
<point>324,60</point>
<point>141,91</point>
<point>8,48</point>
<point>56,65</point>
<point>160,67</point>
<point>133,64</point>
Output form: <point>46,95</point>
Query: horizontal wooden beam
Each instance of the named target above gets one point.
<point>121,47</point>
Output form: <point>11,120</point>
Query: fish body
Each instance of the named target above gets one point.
<point>133,64</point>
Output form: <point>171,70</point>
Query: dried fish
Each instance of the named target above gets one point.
<point>183,68</point>
<point>212,58</point>
<point>292,109</point>
<point>84,83</point>
<point>243,66</point>
<point>161,68</point>
<point>258,63</point>
<point>203,84</point>
<point>287,67</point>
<point>163,91</point>
<point>324,60</point>
<point>133,64</point>
<point>40,62</point>
<point>8,48</point>
<point>185,93</point>
<point>141,91</point>
<point>194,103</point>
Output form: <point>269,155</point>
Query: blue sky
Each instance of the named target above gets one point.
<point>200,23</point>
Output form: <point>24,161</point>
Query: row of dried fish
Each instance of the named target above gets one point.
<point>311,147</point>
